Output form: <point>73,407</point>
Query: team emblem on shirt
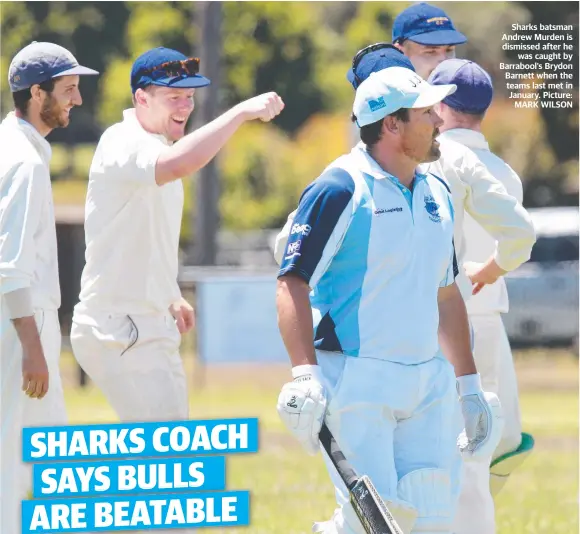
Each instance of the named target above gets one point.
<point>303,229</point>
<point>293,250</point>
<point>432,208</point>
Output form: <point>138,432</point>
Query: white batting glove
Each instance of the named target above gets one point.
<point>264,107</point>
<point>302,405</point>
<point>483,417</point>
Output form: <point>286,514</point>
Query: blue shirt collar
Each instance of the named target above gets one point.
<point>368,165</point>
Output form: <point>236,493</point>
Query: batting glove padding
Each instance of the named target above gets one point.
<point>302,406</point>
<point>483,419</point>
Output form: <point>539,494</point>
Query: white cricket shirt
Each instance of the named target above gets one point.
<point>489,217</point>
<point>132,227</point>
<point>28,247</point>
<point>374,254</point>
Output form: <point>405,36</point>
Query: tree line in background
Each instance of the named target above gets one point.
<point>302,50</point>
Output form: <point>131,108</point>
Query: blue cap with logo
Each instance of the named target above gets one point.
<point>374,58</point>
<point>167,68</point>
<point>426,25</point>
<point>474,86</point>
<point>39,62</point>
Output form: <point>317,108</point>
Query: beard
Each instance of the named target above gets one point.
<point>52,114</point>
<point>434,153</point>
<point>422,155</point>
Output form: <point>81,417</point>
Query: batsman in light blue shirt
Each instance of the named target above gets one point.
<point>366,296</point>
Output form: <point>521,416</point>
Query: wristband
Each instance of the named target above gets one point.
<point>302,370</point>
<point>19,303</point>
<point>469,385</point>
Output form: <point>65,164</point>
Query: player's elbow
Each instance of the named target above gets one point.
<point>527,240</point>
<point>526,254</point>
<point>511,254</point>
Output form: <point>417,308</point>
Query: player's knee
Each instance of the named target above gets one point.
<point>429,491</point>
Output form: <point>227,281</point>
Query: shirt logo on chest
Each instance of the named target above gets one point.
<point>432,208</point>
<point>380,211</point>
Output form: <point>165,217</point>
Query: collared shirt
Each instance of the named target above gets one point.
<point>28,246</point>
<point>374,254</point>
<point>490,219</point>
<point>132,227</point>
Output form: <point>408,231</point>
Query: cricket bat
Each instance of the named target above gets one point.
<point>365,499</point>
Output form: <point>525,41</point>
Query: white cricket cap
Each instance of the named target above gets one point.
<point>394,88</point>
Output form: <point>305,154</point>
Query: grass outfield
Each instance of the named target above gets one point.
<point>290,490</point>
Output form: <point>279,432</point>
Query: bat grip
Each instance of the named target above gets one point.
<point>346,472</point>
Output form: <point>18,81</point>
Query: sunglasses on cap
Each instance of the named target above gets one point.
<point>367,50</point>
<point>172,69</point>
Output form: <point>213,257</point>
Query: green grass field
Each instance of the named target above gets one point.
<point>290,490</point>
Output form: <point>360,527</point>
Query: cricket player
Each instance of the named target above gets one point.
<point>366,295</point>
<point>426,35</point>
<point>423,33</point>
<point>496,206</point>
<point>492,239</point>
<point>128,323</point>
<point>44,81</point>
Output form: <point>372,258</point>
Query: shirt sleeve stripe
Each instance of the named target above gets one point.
<point>322,205</point>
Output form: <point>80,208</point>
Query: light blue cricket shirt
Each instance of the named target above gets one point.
<point>374,255</point>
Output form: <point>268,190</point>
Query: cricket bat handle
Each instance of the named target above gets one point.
<point>346,472</point>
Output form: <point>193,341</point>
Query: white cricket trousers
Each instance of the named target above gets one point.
<point>135,362</point>
<point>18,411</point>
<point>398,425</point>
<point>494,361</point>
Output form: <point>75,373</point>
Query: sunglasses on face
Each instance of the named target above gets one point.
<point>367,50</point>
<point>172,69</point>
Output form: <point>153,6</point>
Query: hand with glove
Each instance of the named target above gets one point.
<point>483,419</point>
<point>302,405</point>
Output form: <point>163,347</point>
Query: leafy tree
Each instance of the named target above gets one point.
<point>302,50</point>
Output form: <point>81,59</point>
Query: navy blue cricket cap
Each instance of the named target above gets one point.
<point>39,62</point>
<point>426,25</point>
<point>474,86</point>
<point>378,57</point>
<point>151,68</point>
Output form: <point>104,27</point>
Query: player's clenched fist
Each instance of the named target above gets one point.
<point>302,406</point>
<point>264,107</point>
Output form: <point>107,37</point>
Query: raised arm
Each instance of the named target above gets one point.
<point>198,148</point>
